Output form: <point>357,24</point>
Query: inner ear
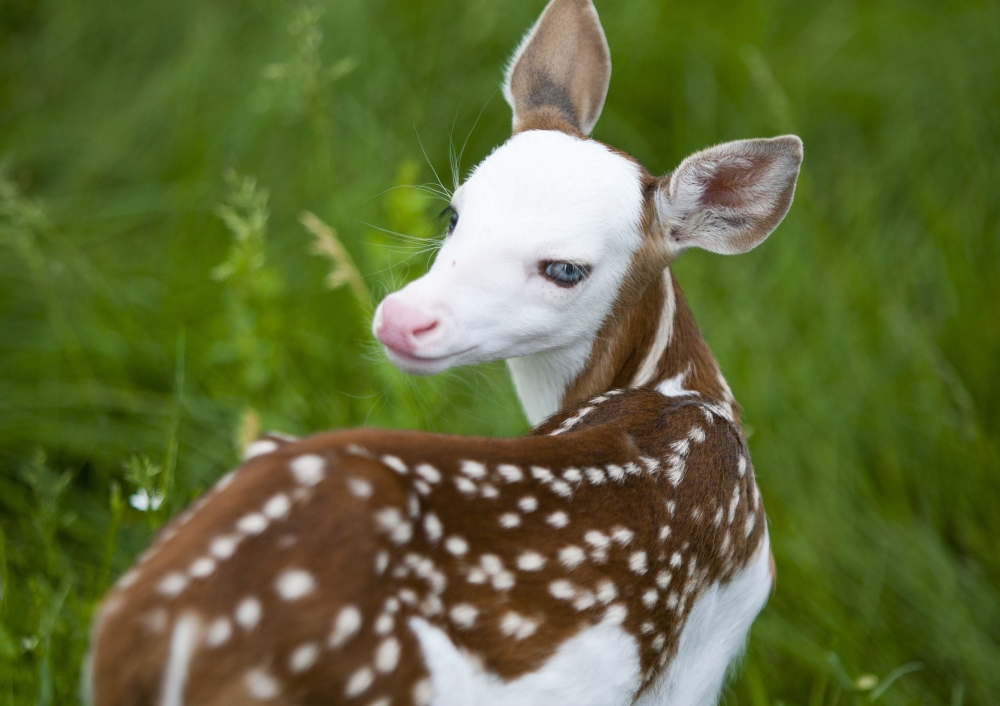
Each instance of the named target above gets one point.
<point>559,75</point>
<point>729,198</point>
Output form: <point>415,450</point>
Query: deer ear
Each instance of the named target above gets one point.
<point>728,198</point>
<point>560,73</point>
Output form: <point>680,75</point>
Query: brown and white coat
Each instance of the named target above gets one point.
<point>615,555</point>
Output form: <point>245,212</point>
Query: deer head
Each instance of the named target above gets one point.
<point>555,231</point>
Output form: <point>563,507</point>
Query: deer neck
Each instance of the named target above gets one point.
<point>649,340</point>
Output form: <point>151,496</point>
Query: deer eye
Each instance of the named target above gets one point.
<point>452,215</point>
<point>565,274</point>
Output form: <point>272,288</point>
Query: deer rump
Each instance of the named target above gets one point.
<point>366,564</point>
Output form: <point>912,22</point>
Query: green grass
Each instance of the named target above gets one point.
<point>160,298</point>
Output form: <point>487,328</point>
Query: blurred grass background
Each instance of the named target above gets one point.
<point>162,298</point>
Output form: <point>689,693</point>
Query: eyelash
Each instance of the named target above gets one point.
<point>452,216</point>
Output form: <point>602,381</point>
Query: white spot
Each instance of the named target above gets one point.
<point>422,488</point>
<point>261,685</point>
<point>558,519</point>
<point>396,464</point>
<point>734,503</point>
<point>584,600</point>
<point>517,626</point>
<point>649,597</point>
<point>359,682</point>
<point>259,448</point>
<point>674,387</point>
<point>474,469</point>
<point>464,615</point>
<point>384,701</point>
<point>622,535</point>
<point>663,579</point>
<point>345,626</point>
<point>277,507</point>
<point>488,491</point>
<point>563,590</point>
<point>647,628</point>
<point>616,614</point>
<point>530,561</point>
<point>456,545</point>
<point>127,579</point>
<point>597,539</point>
<point>595,476</point>
<point>303,658</point>
<point>384,624</point>
<point>387,655</point>
<point>381,562</point>
<point>561,488</point>
<point>676,560</point>
<point>510,520</point>
<point>697,435</point>
<point>465,486</point>
<point>433,528</point>
<point>294,584</point>
<point>360,488</point>
<point>491,563</point>
<point>428,472</point>
<point>225,481</point>
<point>511,474</point>
<point>572,475</point>
<point>615,472</point>
<point>503,581</point>
<point>542,474</point>
<point>252,524</point>
<point>751,521</point>
<point>173,584</point>
<point>182,647</point>
<point>606,591</point>
<point>248,613</point>
<point>390,520</point>
<point>672,601</point>
<point>664,532</point>
<point>658,643</point>
<point>218,632</point>
<point>202,567</point>
<point>637,562</point>
<point>224,547</point>
<point>527,504</point>
<point>308,470</point>
<point>423,693</point>
<point>477,576</point>
<point>741,466</point>
<point>571,557</point>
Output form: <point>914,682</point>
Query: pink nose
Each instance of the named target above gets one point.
<point>402,325</point>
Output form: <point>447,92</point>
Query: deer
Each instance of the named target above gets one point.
<point>616,554</point>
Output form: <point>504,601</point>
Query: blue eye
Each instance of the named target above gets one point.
<point>565,274</point>
<point>452,215</point>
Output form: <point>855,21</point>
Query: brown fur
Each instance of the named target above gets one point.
<point>337,541</point>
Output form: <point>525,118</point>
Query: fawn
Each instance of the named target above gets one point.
<point>617,554</point>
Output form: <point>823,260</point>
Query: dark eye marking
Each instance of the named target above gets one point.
<point>452,215</point>
<point>564,274</point>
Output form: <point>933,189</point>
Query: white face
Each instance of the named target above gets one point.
<point>545,232</point>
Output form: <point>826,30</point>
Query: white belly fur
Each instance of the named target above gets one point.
<point>599,666</point>
<point>713,637</point>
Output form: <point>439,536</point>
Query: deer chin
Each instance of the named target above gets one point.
<point>416,364</point>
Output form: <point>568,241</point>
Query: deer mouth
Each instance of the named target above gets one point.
<point>421,364</point>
